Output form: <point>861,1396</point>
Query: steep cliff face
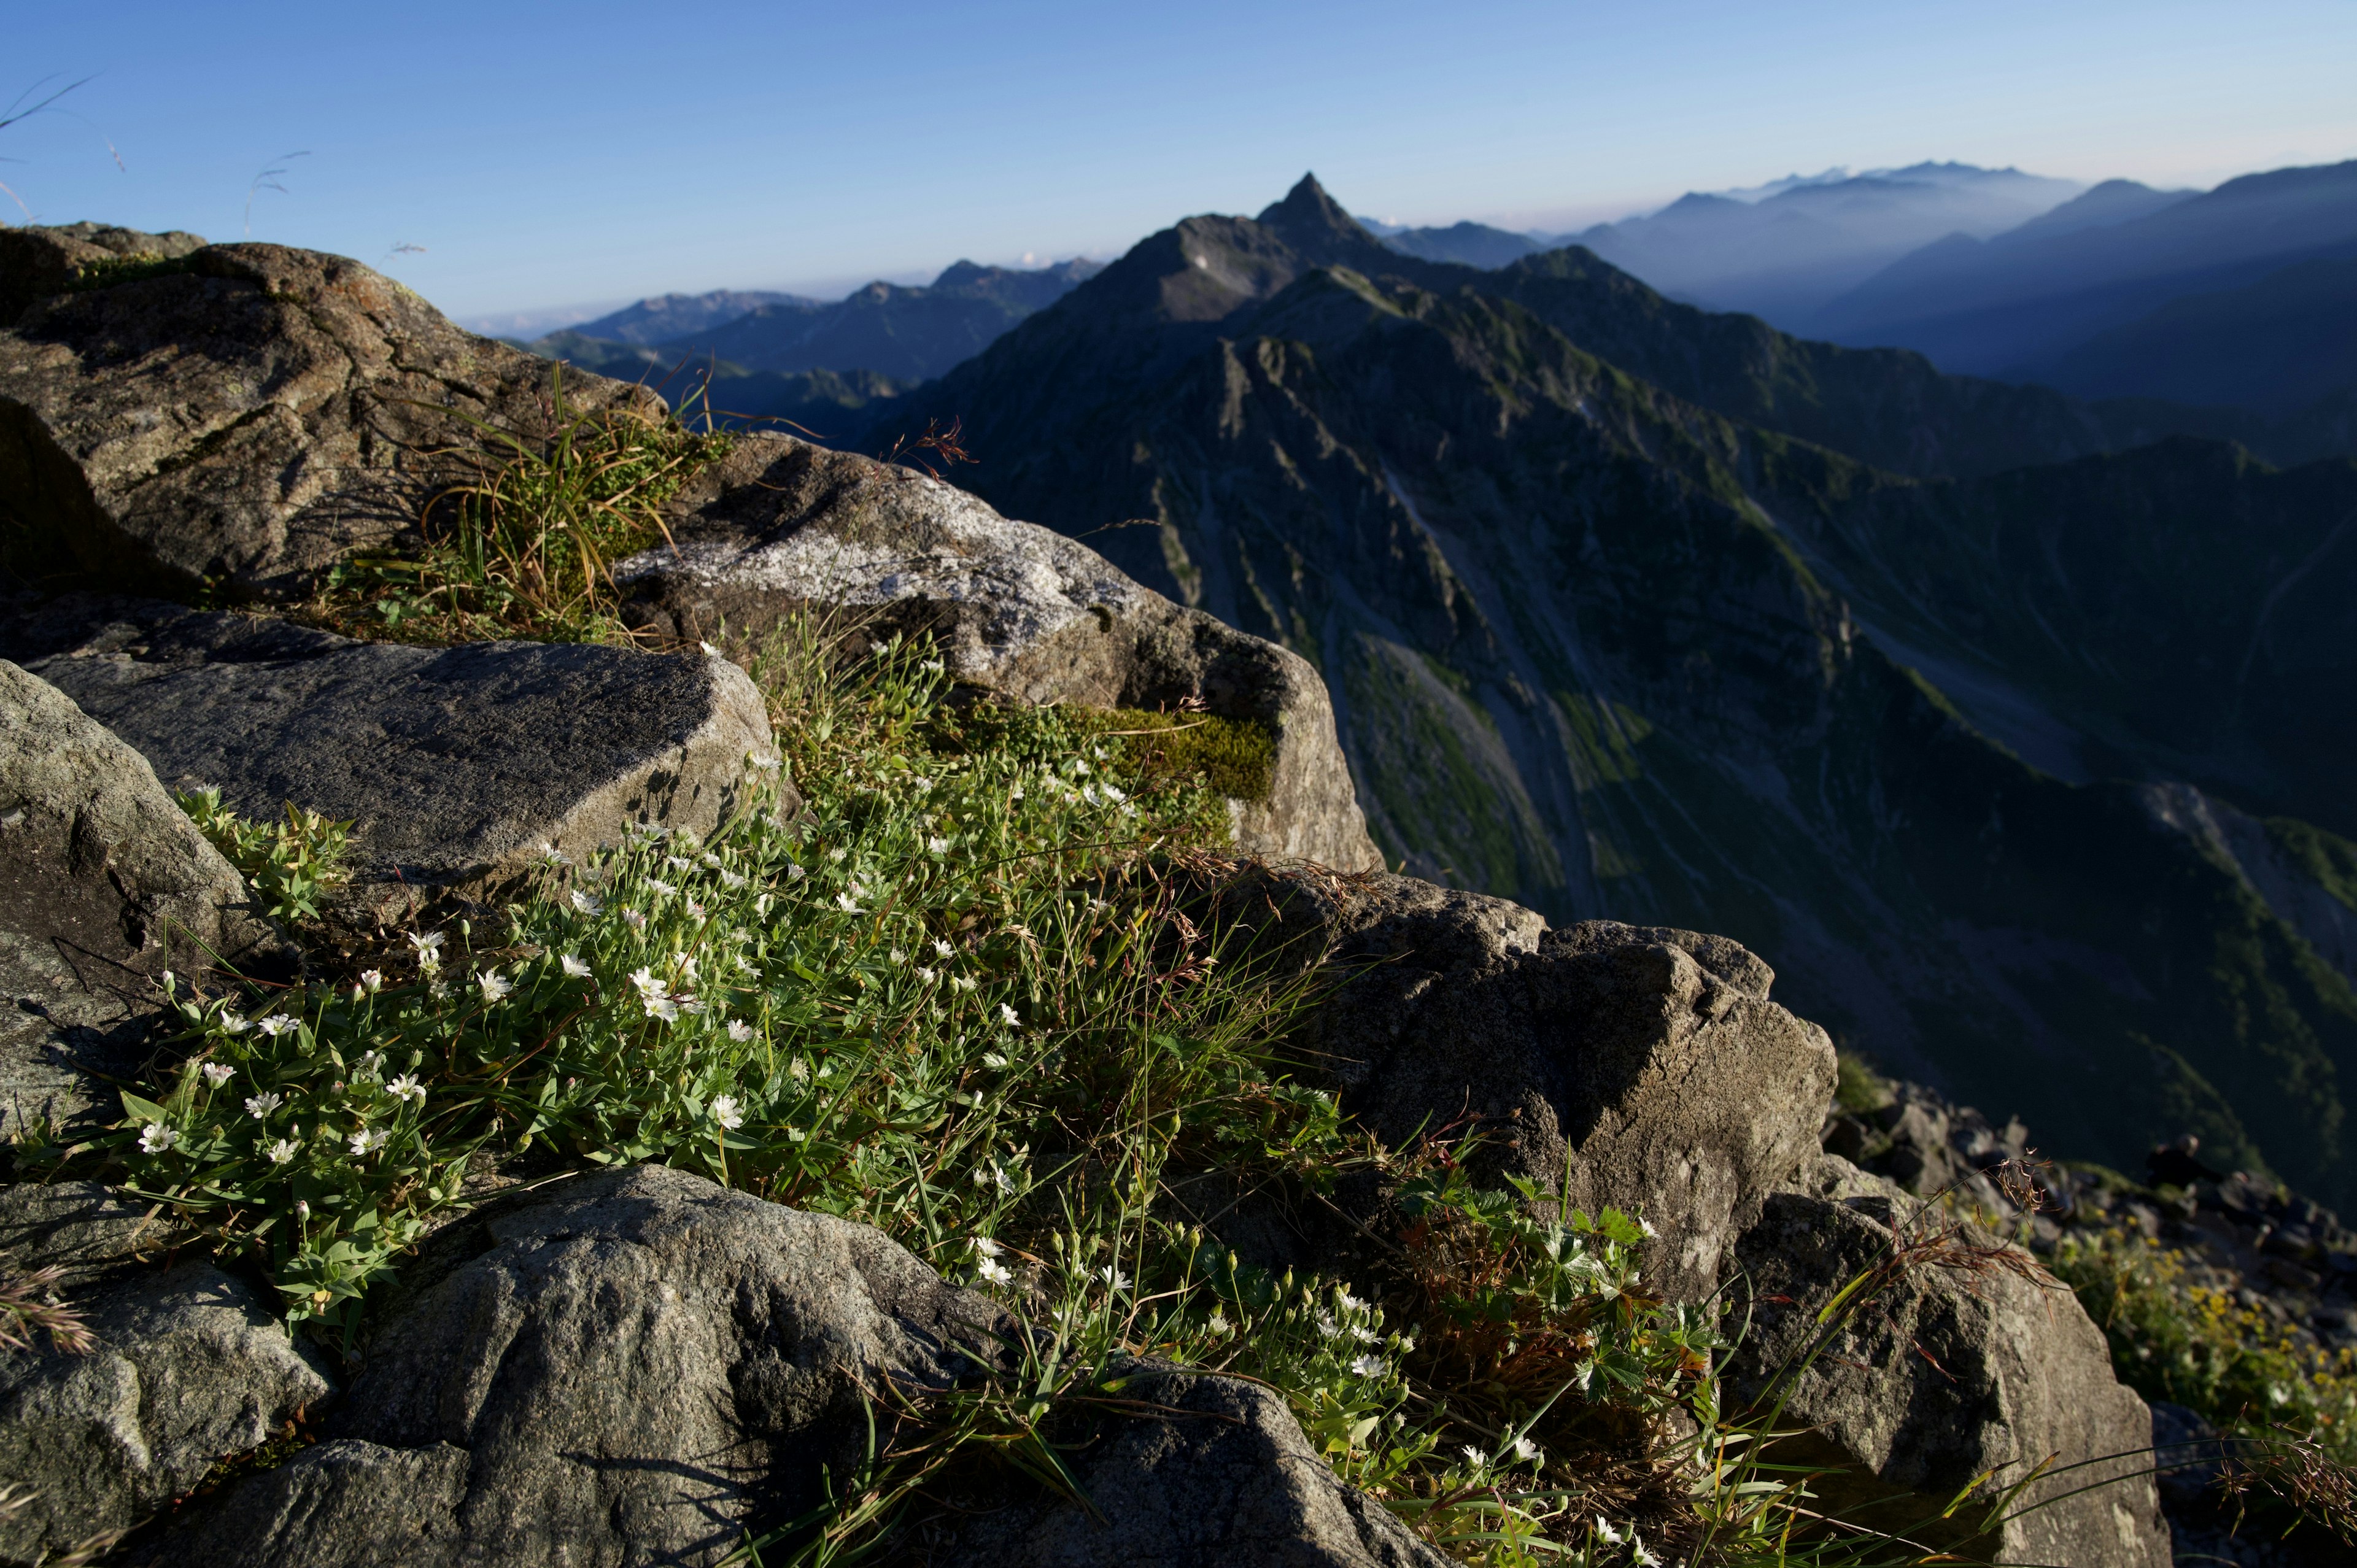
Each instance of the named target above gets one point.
<point>1593,646</point>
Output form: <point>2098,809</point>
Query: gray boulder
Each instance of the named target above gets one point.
<point>1647,1063</point>
<point>459,764</point>
<point>1226,1477</point>
<point>1953,1371</point>
<point>246,417</point>
<point>1019,610</point>
<point>190,1366</point>
<point>104,885</point>
<point>632,1367</point>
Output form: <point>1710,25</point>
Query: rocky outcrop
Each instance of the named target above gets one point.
<point>1968,1361</point>
<point>637,1366</point>
<point>782,526</point>
<point>189,1366</point>
<point>103,886</point>
<point>243,415</point>
<point>1647,1063</point>
<point>460,764</point>
<point>1221,1476</point>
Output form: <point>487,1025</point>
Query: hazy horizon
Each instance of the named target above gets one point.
<point>500,167</point>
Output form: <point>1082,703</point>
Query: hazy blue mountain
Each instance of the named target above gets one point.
<point>1996,770</point>
<point>669,315</point>
<point>1471,244</point>
<point>2025,298</point>
<point>2276,345</point>
<point>827,405</point>
<point>1785,254</point>
<point>903,332</point>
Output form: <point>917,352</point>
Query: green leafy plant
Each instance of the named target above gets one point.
<point>291,862</point>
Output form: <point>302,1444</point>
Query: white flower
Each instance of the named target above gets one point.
<point>156,1137</point>
<point>371,1061</point>
<point>281,1150</point>
<point>709,651</point>
<point>635,919</point>
<point>963,983</point>
<point>1113,1278</point>
<point>219,1073</point>
<point>739,1030</point>
<point>731,879</point>
<point>995,1274</point>
<point>799,1070</point>
<point>847,903</point>
<point>1080,767</point>
<point>372,980</point>
<point>686,962</point>
<point>1645,1228</point>
<point>794,873</point>
<point>900,957</point>
<point>428,948</point>
<point>274,1026</point>
<point>494,985</point>
<point>932,666</point>
<point>938,845</point>
<point>575,967</point>
<point>986,1247</point>
<point>678,863</point>
<point>588,903</point>
<point>1606,1533</point>
<point>1007,1015</point>
<point>367,1141</point>
<point>662,1007</point>
<point>942,949</point>
<point>406,1087</point>
<point>1218,1322</point>
<point>926,975</point>
<point>1348,1302</point>
<point>551,856</point>
<point>1474,1457</point>
<point>644,978</point>
<point>1368,1365</point>
<point>837,852</point>
<point>1638,1555</point>
<point>660,886</point>
<point>1526,1450</point>
<point>727,1113</point>
<point>260,1106</point>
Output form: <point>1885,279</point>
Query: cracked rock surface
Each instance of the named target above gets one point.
<point>246,416</point>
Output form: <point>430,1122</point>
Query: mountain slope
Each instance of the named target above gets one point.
<point>1590,646</point>
<point>1792,252</point>
<point>1469,244</point>
<point>2024,298</point>
<point>2276,345</point>
<point>666,317</point>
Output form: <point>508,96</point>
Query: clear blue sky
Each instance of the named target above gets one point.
<point>543,154</point>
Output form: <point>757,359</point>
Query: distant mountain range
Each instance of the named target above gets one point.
<point>2012,729</point>
<point>889,332</point>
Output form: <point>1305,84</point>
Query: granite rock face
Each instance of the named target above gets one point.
<point>189,1366</point>
<point>104,884</point>
<point>1225,1478</point>
<point>1944,1374</point>
<point>245,417</point>
<point>630,1366</point>
<point>1649,1063</point>
<point>780,526</point>
<point>459,764</point>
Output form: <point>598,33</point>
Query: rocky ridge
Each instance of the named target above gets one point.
<point>638,1358</point>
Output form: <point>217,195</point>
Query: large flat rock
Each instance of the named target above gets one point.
<point>458,764</point>
<point>104,885</point>
<point>245,418</point>
<point>781,526</point>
